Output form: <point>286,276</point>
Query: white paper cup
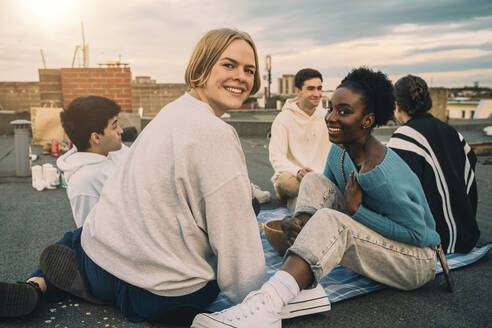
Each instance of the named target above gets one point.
<point>51,178</point>
<point>39,185</point>
<point>37,172</point>
<point>45,170</point>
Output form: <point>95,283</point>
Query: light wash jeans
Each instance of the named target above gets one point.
<point>286,188</point>
<point>331,237</point>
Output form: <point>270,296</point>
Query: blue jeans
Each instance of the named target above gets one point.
<point>135,303</point>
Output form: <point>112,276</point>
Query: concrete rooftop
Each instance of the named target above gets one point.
<point>31,220</point>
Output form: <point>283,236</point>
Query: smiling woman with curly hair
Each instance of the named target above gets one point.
<point>368,212</point>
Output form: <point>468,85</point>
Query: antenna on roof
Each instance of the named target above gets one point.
<point>81,50</point>
<point>85,47</point>
<point>43,58</point>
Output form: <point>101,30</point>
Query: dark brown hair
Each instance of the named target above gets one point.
<point>412,95</point>
<point>85,115</point>
<point>306,74</point>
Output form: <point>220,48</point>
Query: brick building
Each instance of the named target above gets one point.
<point>112,82</point>
<point>286,85</point>
<point>19,96</point>
<point>57,87</point>
<point>152,96</point>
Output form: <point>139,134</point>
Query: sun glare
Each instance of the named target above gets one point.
<point>49,12</point>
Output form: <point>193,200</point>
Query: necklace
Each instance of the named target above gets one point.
<point>341,167</point>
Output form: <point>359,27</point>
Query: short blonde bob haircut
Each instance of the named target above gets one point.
<point>207,52</point>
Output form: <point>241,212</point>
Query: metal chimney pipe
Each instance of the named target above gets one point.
<point>21,141</point>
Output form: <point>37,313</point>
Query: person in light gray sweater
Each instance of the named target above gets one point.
<point>174,223</point>
<point>192,199</point>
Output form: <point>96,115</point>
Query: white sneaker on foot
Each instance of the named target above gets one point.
<point>308,301</point>
<point>263,196</point>
<point>257,310</point>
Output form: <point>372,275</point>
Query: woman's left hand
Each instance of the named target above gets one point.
<point>353,194</point>
<point>291,228</point>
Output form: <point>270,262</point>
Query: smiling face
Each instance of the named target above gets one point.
<point>309,95</point>
<point>347,123</point>
<point>231,78</point>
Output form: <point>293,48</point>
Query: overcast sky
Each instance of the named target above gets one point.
<point>448,42</point>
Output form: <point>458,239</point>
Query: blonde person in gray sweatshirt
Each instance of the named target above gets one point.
<point>174,223</point>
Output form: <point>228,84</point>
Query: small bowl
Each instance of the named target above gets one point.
<point>275,236</point>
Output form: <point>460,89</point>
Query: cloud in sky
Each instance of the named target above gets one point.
<point>446,41</point>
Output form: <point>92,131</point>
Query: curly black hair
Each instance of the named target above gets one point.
<point>412,95</point>
<point>376,92</point>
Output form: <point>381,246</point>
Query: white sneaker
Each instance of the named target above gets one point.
<point>308,301</point>
<point>263,196</point>
<point>255,311</point>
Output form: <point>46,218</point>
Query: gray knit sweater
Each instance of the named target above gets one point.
<point>177,213</point>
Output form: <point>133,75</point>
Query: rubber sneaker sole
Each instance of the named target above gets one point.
<point>18,299</point>
<point>257,310</point>
<point>308,301</point>
<point>59,266</point>
<point>205,321</point>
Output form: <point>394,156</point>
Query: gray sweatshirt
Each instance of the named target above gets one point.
<point>177,213</point>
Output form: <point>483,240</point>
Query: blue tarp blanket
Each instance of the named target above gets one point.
<point>341,283</point>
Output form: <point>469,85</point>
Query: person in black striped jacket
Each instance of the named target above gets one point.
<point>442,160</point>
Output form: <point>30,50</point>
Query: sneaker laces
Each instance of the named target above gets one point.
<point>254,302</point>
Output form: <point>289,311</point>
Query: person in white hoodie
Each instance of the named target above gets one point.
<point>299,137</point>
<point>91,123</point>
<point>85,173</point>
<point>174,223</point>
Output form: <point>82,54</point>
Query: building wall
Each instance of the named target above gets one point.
<point>439,103</point>
<point>19,96</point>
<point>57,87</point>
<point>153,96</point>
<point>112,82</point>
<point>484,109</point>
<point>286,85</point>
<point>7,116</point>
<point>461,110</point>
<point>50,90</point>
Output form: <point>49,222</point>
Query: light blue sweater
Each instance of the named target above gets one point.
<point>393,201</point>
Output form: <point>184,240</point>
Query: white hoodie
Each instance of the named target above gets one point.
<point>298,140</point>
<point>85,174</point>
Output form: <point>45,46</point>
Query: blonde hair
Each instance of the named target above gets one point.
<point>207,52</point>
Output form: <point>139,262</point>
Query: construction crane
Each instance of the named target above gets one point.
<point>81,50</point>
<point>43,58</point>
